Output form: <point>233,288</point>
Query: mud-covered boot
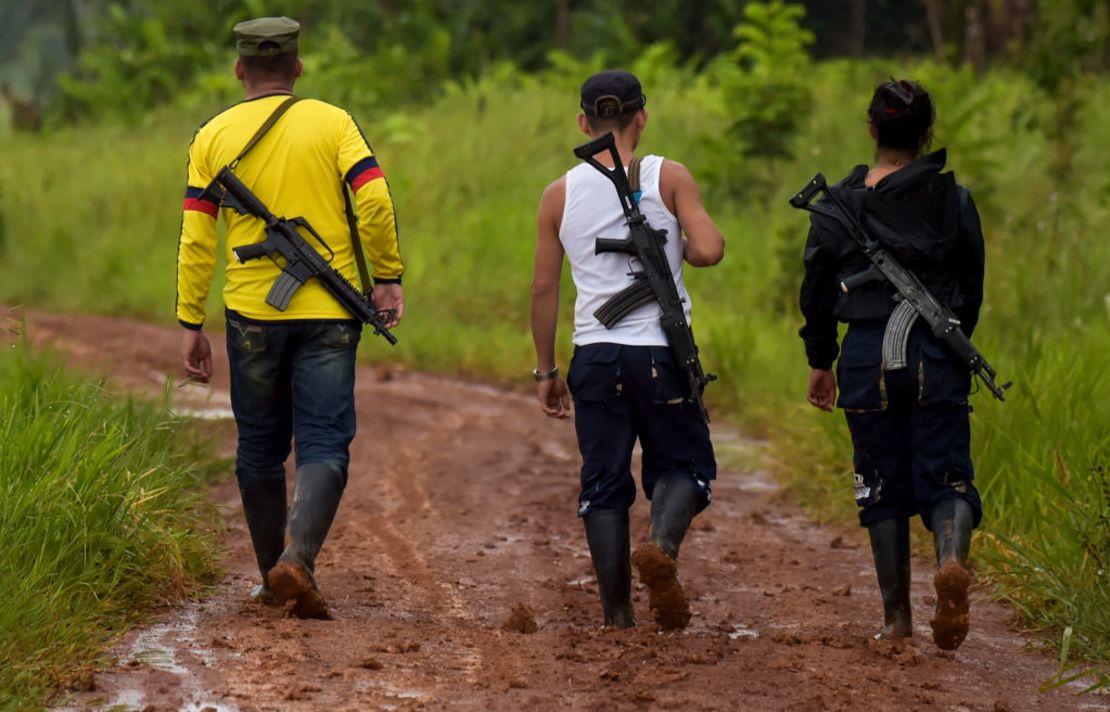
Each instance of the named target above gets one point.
<point>674,502</point>
<point>264,509</point>
<point>315,499</point>
<point>607,537</point>
<point>952,521</point>
<point>890,545</point>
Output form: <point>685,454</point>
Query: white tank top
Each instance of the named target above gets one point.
<point>593,210</point>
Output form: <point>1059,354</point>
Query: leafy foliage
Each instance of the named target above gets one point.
<point>769,94</point>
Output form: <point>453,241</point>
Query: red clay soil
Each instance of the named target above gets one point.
<point>461,510</point>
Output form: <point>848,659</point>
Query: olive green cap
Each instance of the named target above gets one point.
<point>266,36</point>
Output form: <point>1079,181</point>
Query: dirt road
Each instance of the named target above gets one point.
<point>461,505</point>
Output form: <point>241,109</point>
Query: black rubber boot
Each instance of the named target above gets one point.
<point>264,509</point>
<point>608,539</point>
<point>674,502</point>
<point>890,545</point>
<point>952,521</point>
<point>315,499</point>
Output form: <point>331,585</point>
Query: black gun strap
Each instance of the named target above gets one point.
<point>356,241</point>
<point>264,128</point>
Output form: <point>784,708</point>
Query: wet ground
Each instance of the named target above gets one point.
<point>459,578</point>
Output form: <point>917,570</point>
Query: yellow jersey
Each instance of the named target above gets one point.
<point>296,170</point>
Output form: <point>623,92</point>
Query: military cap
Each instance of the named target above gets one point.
<point>266,36</point>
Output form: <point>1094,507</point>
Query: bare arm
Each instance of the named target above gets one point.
<point>545,297</point>
<point>705,245</point>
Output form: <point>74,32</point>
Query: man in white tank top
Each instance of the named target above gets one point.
<point>625,384</point>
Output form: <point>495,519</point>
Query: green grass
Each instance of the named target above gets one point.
<point>92,218</point>
<point>101,517</point>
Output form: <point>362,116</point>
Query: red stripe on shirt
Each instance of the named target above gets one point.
<point>201,206</point>
<point>365,177</point>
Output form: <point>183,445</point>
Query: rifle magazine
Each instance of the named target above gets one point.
<point>285,286</point>
<point>621,304</point>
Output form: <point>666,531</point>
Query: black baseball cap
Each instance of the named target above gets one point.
<point>612,93</point>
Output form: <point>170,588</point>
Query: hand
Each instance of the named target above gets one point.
<point>822,389</point>
<point>196,354</point>
<point>554,398</point>
<point>390,296</point>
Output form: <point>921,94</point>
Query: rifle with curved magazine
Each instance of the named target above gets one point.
<point>654,281</point>
<point>302,261</point>
<point>914,299</point>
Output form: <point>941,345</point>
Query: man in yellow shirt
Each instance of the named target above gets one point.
<point>292,371</point>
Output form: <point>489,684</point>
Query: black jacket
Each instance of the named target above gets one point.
<point>920,215</point>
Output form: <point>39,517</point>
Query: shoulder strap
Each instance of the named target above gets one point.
<point>264,128</point>
<point>356,242</point>
<point>634,177</point>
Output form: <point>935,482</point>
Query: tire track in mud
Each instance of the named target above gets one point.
<point>460,505</point>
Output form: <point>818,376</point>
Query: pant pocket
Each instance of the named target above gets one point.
<point>670,386</point>
<point>245,337</point>
<point>859,373</point>
<point>941,380</point>
<point>594,374</point>
<point>338,336</point>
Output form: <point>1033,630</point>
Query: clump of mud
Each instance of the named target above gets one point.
<point>522,619</point>
<point>953,610</point>
<point>900,650</point>
<point>294,588</point>
<point>665,595</point>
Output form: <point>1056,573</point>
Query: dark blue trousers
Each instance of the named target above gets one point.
<point>291,380</point>
<point>627,393</point>
<point>910,427</point>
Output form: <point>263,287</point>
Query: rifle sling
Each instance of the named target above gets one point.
<point>356,243</point>
<point>634,177</point>
<point>265,128</point>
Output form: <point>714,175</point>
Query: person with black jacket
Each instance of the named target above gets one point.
<point>909,421</point>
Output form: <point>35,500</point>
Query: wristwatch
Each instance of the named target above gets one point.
<point>545,376</point>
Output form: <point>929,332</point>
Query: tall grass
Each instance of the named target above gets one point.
<point>100,517</point>
<point>467,173</point>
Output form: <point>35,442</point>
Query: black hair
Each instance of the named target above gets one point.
<point>902,113</point>
<point>614,123</point>
<point>277,67</point>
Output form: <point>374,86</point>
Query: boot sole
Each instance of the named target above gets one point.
<point>667,599</point>
<point>291,582</point>
<point>952,620</point>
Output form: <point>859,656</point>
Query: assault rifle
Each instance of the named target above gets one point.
<point>654,281</point>
<point>302,261</point>
<point>914,299</point>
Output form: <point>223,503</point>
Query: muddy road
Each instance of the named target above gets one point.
<point>460,509</point>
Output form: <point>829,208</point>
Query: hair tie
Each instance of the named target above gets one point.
<point>901,89</point>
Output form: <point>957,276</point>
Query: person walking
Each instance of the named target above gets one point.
<point>625,384</point>
<point>908,417</point>
<point>292,371</point>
